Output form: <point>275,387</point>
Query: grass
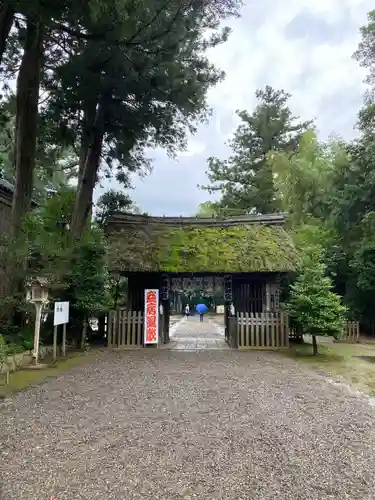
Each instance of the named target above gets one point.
<point>355,363</point>
<point>23,378</point>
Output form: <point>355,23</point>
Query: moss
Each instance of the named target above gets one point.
<point>251,248</point>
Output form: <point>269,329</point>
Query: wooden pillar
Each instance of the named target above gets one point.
<point>164,285</point>
<point>226,320</point>
<point>267,305</point>
<point>166,321</point>
<point>228,288</point>
<point>129,301</point>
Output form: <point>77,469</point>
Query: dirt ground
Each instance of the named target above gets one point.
<point>173,424</point>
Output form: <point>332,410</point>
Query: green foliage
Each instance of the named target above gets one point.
<point>112,202</point>
<point>55,164</point>
<point>88,278</point>
<point>48,239</point>
<point>303,178</point>
<point>249,248</point>
<point>312,237</point>
<point>207,209</point>
<point>4,351</point>
<point>362,265</point>
<point>26,339</point>
<point>365,54</point>
<point>75,270</point>
<point>245,181</point>
<point>115,77</point>
<point>140,80</point>
<point>314,308</point>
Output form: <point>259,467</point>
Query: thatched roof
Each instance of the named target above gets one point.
<point>191,244</point>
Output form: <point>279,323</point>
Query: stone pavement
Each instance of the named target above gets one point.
<point>190,335</point>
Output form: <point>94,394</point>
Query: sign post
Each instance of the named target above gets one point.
<point>61,317</point>
<point>151,321</point>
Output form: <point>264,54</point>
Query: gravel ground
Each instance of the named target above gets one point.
<point>213,425</point>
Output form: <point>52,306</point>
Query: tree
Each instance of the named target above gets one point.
<point>365,53</point>
<point>112,202</point>
<point>207,209</point>
<point>24,51</point>
<point>313,185</point>
<point>55,164</point>
<point>313,307</point>
<point>303,179</point>
<point>27,95</point>
<point>6,22</point>
<point>118,75</point>
<point>245,181</point>
<point>134,95</point>
<point>88,279</point>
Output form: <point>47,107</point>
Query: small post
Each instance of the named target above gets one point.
<point>38,307</point>
<point>54,355</point>
<point>84,333</point>
<point>63,345</point>
<point>61,317</point>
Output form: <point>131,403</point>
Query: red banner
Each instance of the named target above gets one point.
<point>151,317</point>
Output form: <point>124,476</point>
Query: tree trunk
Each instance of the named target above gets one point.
<point>87,181</point>
<point>87,126</point>
<point>315,345</point>
<point>6,22</point>
<point>28,83</point>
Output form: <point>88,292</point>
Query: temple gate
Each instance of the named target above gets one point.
<point>243,260</point>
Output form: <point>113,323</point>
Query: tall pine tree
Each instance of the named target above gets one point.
<point>245,181</point>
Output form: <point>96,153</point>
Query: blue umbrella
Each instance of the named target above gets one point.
<point>201,308</point>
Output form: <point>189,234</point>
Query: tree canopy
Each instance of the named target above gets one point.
<point>327,187</point>
<point>245,180</point>
<point>97,82</point>
<point>100,81</point>
<point>107,78</point>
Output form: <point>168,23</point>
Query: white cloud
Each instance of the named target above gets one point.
<point>255,57</point>
<point>193,148</point>
<point>317,72</point>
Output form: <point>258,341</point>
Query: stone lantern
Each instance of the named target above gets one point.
<point>37,294</point>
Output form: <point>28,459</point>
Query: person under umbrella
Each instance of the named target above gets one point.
<point>201,309</point>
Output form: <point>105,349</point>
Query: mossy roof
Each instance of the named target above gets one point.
<point>181,245</point>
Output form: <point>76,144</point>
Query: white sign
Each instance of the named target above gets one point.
<point>151,333</point>
<point>61,316</point>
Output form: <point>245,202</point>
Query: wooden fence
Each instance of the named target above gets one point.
<point>125,328</point>
<point>351,333</point>
<point>259,331</point>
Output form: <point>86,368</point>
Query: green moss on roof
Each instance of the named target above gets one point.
<point>244,248</point>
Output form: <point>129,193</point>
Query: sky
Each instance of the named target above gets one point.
<point>302,46</point>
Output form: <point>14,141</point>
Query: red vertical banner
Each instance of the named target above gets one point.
<point>151,333</point>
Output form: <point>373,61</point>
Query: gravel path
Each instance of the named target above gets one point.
<point>212,425</point>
